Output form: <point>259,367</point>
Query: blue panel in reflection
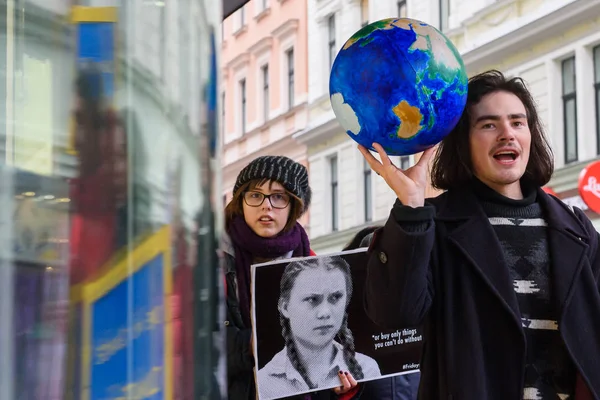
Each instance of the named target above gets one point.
<point>96,43</point>
<point>127,345</point>
<point>212,97</point>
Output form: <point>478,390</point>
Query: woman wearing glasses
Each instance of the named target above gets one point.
<point>261,224</point>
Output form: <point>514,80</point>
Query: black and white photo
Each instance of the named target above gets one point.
<point>314,327</point>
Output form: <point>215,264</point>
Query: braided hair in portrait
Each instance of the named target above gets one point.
<point>344,335</point>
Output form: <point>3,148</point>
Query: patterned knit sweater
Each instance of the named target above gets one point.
<point>522,232</point>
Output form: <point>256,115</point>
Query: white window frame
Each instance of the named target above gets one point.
<point>239,19</point>
<point>260,7</point>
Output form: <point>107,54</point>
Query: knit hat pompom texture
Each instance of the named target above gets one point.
<point>291,175</point>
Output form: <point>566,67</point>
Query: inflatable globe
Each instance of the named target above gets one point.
<point>398,82</point>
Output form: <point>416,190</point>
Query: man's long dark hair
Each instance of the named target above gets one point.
<point>452,165</point>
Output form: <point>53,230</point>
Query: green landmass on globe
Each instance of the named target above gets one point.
<point>398,82</point>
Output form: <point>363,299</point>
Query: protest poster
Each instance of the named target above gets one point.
<point>309,323</point>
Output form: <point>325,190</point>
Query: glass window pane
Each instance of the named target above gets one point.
<point>402,9</point>
<point>291,87</point>
<point>331,43</point>
<point>331,28</point>
<point>107,141</point>
<point>368,196</point>
<point>405,162</point>
<point>571,130</point>
<point>266,104</point>
<point>568,75</point>
<point>334,166</point>
<point>334,208</point>
<point>364,12</point>
<point>333,170</point>
<point>444,14</point>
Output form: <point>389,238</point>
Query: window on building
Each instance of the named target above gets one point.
<point>597,91</point>
<point>444,14</point>
<point>265,82</point>
<point>333,172</point>
<point>331,37</point>
<point>239,19</point>
<point>364,12</point>
<point>404,162</point>
<point>368,184</point>
<point>243,103</point>
<point>223,114</point>
<point>569,109</point>
<point>290,67</point>
<point>402,11</point>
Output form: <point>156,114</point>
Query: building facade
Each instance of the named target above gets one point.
<point>553,45</point>
<point>264,85</point>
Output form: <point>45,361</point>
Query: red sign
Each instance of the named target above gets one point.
<point>589,186</point>
<point>549,190</point>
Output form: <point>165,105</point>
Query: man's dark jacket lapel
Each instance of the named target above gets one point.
<point>569,241</point>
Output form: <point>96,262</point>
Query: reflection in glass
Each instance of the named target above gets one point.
<point>107,139</point>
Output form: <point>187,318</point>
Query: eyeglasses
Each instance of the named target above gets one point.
<point>277,200</point>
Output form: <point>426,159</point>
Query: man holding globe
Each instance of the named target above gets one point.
<point>503,277</point>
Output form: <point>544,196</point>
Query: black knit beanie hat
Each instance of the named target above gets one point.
<point>291,175</point>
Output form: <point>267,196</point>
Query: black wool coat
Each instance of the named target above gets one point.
<point>451,279</point>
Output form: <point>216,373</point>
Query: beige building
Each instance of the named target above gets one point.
<point>264,84</point>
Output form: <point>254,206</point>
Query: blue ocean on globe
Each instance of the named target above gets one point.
<point>398,82</point>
